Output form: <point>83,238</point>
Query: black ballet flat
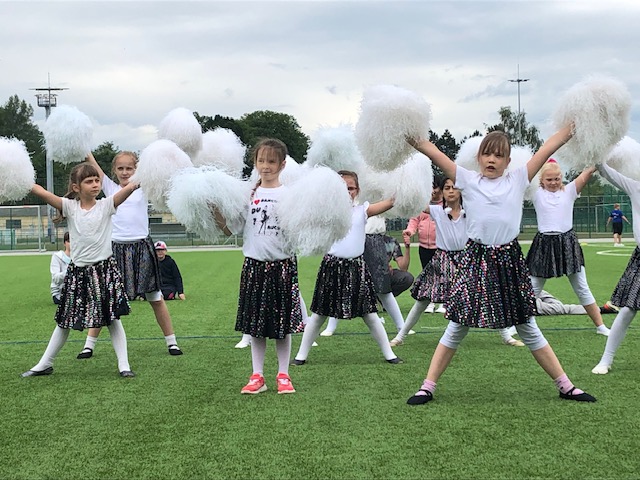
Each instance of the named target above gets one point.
<point>127,374</point>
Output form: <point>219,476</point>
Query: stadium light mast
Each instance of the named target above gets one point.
<point>519,80</point>
<point>48,100</point>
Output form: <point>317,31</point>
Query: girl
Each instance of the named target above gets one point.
<point>133,250</point>
<point>269,300</point>
<point>433,283</point>
<point>555,250</point>
<point>491,287</point>
<point>93,293</point>
<point>344,288</point>
<point>627,293</point>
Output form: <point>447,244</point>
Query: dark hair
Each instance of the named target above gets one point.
<point>438,181</point>
<point>78,174</point>
<point>495,142</point>
<point>349,173</point>
<point>65,237</point>
<point>444,201</point>
<point>278,146</point>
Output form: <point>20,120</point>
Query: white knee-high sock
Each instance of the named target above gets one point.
<point>119,342</point>
<point>258,350</point>
<point>332,324</point>
<point>57,340</point>
<point>390,304</point>
<point>310,334</point>
<point>412,318</point>
<point>616,335</point>
<point>305,312</point>
<point>283,350</point>
<point>379,334</point>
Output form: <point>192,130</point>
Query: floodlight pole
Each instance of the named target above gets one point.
<point>48,100</point>
<point>519,80</point>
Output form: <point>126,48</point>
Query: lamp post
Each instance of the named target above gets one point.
<point>519,80</point>
<point>48,100</point>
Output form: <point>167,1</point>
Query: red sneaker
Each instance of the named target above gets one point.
<point>255,385</point>
<point>284,384</point>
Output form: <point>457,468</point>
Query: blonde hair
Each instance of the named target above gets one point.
<point>495,142</point>
<point>119,155</point>
<point>552,167</point>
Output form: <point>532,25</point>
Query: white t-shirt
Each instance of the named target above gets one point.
<point>493,205</point>
<point>375,224</point>
<point>58,268</point>
<point>262,237</point>
<point>630,187</point>
<point>554,210</point>
<point>451,235</point>
<point>132,220</point>
<point>89,230</point>
<point>352,245</point>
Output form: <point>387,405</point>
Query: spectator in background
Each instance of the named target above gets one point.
<point>58,268</point>
<point>616,217</point>
<point>171,280</point>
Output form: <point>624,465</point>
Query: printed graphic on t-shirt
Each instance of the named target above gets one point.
<point>264,218</point>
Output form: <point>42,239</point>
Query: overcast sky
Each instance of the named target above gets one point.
<point>126,64</point>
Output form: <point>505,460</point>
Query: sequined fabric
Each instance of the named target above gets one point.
<point>379,250</point>
<point>138,265</point>
<point>627,291</point>
<point>491,288</point>
<point>434,282</point>
<point>344,288</point>
<point>92,296</point>
<point>555,255</point>
<point>269,301</point>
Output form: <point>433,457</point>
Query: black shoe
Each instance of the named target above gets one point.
<point>395,361</point>
<point>85,353</point>
<point>174,350</point>
<point>35,373</point>
<point>127,374</point>
<point>420,399</point>
<point>297,362</point>
<point>582,397</point>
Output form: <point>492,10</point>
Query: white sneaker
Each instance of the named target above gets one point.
<point>411,332</point>
<point>603,331</point>
<point>243,344</point>
<point>441,309</point>
<point>314,344</point>
<point>513,342</point>
<point>430,308</point>
<point>395,342</point>
<point>601,369</point>
<point>621,244</point>
<point>326,333</point>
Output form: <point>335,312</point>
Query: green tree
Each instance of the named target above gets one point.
<point>104,154</point>
<point>211,123</point>
<point>265,123</point>
<point>518,129</point>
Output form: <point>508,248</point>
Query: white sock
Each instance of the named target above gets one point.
<point>616,335</point>
<point>171,339</point>
<point>332,324</point>
<point>90,342</point>
<point>412,318</point>
<point>379,334</point>
<point>258,350</point>
<point>119,342</point>
<point>303,307</point>
<point>310,334</point>
<point>283,350</point>
<point>56,342</point>
<point>602,328</point>
<point>505,334</point>
<point>390,304</point>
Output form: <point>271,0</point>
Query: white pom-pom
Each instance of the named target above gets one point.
<point>158,162</point>
<point>411,185</point>
<point>17,175</point>
<point>221,148</point>
<point>388,116</point>
<point>291,173</point>
<point>373,185</point>
<point>182,128</point>
<point>315,212</point>
<point>625,158</point>
<point>599,110</point>
<point>520,155</point>
<point>467,156</point>
<point>67,135</point>
<point>335,147</point>
<point>194,191</point>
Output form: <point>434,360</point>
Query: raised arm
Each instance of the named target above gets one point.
<point>443,162</point>
<point>122,194</point>
<point>583,178</point>
<point>221,222</point>
<point>380,207</point>
<point>91,159</point>
<point>547,149</point>
<point>52,199</point>
<point>405,259</point>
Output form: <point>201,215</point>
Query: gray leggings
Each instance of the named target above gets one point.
<point>529,333</point>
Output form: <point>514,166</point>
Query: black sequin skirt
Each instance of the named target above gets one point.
<point>344,288</point>
<point>377,260</point>
<point>627,291</point>
<point>92,296</point>
<point>269,301</point>
<point>434,282</point>
<point>555,255</point>
<point>491,288</point>
<point>138,264</point>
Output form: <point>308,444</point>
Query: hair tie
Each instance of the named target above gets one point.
<point>447,210</point>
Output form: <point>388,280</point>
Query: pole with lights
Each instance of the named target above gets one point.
<point>519,80</point>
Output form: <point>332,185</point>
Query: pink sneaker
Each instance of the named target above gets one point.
<point>284,384</point>
<point>255,385</point>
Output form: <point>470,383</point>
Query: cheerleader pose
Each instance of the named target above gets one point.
<point>491,288</point>
<point>627,293</point>
<point>93,293</point>
<point>344,288</point>
<point>134,251</point>
<point>555,250</point>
